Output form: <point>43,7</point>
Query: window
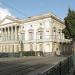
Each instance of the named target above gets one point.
<point>30,25</point>
<point>31,47</point>
<point>40,33</point>
<point>40,24</point>
<point>59,31</point>
<point>30,35</point>
<point>47,35</point>
<point>41,47</point>
<point>54,33</point>
<point>22,36</point>
<point>54,29</point>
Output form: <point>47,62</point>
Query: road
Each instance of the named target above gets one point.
<point>27,65</point>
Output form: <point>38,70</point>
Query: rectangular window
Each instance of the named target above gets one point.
<point>40,34</point>
<point>31,47</point>
<point>22,36</point>
<point>41,47</point>
<point>30,35</point>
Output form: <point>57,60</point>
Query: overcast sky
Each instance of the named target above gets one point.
<point>25,8</point>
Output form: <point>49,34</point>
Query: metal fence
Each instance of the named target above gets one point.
<point>62,68</point>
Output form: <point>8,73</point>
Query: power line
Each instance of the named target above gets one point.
<point>13,8</point>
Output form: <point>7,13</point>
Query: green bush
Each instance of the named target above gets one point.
<point>27,53</point>
<point>30,53</point>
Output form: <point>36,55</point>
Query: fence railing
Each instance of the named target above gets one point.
<point>62,68</point>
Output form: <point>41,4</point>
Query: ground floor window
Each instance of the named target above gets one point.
<point>31,47</point>
<point>41,47</point>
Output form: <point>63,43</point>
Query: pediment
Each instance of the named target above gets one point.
<point>9,19</point>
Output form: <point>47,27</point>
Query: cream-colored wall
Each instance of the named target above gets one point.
<point>35,25</point>
<point>48,47</point>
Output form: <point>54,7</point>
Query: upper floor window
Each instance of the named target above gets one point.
<point>30,25</point>
<point>59,31</point>
<point>40,24</point>
<point>40,33</point>
<point>54,29</point>
<point>31,33</point>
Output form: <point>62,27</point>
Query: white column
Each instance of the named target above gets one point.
<point>11,33</point>
<point>15,32</point>
<point>8,33</point>
<point>18,33</point>
<point>5,34</point>
<point>2,34</point>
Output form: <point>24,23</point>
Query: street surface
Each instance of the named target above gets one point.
<point>27,65</point>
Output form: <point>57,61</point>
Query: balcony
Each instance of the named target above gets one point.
<point>38,40</point>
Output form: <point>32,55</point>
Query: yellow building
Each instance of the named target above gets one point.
<point>38,35</point>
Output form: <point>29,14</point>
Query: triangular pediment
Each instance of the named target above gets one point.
<point>9,19</point>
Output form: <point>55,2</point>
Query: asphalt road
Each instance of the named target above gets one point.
<point>27,65</point>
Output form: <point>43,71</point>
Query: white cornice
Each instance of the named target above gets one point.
<point>33,18</point>
<point>29,19</point>
<point>42,16</point>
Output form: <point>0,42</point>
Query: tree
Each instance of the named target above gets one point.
<point>69,31</point>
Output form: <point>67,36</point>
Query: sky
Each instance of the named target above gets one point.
<point>25,8</point>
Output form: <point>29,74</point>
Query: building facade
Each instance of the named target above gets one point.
<point>40,35</point>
